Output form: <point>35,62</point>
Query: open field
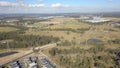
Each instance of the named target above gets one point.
<point>65,31</point>
<point>7,29</point>
<point>48,22</point>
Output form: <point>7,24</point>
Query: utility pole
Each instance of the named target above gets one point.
<point>86,43</point>
<point>8,47</point>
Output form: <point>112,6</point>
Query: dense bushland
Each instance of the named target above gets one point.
<point>94,57</point>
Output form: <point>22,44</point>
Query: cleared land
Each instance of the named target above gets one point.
<point>78,31</point>
<point>7,29</point>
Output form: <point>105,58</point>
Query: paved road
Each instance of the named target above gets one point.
<point>18,56</point>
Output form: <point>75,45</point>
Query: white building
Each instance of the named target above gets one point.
<point>97,20</point>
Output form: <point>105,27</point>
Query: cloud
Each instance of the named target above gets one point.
<point>36,5</point>
<point>58,5</point>
<point>7,4</point>
<point>20,4</point>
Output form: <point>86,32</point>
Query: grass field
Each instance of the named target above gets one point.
<point>74,24</point>
<point>96,31</point>
<point>7,29</point>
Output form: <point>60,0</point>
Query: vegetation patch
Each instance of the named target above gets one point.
<point>24,41</point>
<point>87,58</point>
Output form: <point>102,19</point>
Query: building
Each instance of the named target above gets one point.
<point>97,20</point>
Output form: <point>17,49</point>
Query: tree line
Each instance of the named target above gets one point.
<point>20,40</point>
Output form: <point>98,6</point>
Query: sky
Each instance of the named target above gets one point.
<point>59,6</point>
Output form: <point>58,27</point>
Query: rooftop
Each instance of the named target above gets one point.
<point>97,20</point>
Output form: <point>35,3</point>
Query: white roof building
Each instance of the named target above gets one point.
<point>97,20</point>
